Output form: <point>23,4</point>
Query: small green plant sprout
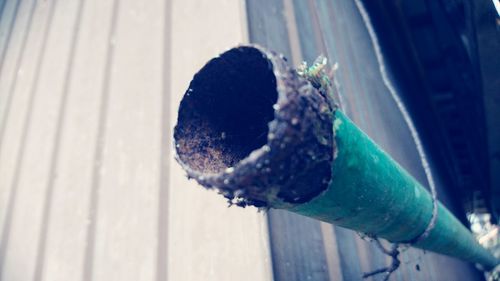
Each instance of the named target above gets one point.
<point>319,74</point>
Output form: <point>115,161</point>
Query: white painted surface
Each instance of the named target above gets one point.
<point>85,158</point>
<point>207,240</point>
<point>21,224</point>
<point>11,71</point>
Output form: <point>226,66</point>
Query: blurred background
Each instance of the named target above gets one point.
<point>89,91</point>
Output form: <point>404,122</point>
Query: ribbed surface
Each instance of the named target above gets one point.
<point>88,94</point>
<point>81,139</point>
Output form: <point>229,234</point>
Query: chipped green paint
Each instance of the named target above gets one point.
<point>336,125</point>
<point>370,193</point>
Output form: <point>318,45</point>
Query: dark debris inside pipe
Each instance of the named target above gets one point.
<point>255,130</point>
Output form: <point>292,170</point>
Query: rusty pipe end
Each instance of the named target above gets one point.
<point>255,130</point>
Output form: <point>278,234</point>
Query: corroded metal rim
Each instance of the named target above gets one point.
<point>292,165</point>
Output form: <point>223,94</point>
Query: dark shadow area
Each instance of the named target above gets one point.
<point>224,114</point>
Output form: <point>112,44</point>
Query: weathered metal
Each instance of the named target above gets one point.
<point>255,130</point>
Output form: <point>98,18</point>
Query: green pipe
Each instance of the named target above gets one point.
<point>371,193</point>
<point>259,133</point>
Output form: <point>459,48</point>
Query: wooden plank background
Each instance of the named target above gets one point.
<point>303,30</point>
<point>89,189</point>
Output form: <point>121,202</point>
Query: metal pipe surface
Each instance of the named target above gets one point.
<point>252,128</point>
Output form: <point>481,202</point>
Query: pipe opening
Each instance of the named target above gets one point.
<point>255,130</point>
<point>225,113</point>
